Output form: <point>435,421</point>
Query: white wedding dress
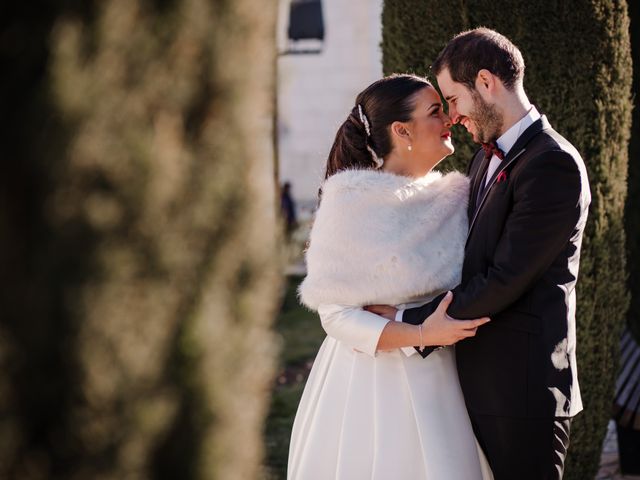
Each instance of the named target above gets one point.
<point>381,416</point>
<point>380,238</point>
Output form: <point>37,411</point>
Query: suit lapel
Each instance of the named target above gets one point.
<point>477,178</point>
<point>516,151</point>
<point>492,181</point>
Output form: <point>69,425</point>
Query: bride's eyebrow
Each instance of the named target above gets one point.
<point>433,105</point>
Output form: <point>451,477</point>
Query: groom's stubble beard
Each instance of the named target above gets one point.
<point>486,118</point>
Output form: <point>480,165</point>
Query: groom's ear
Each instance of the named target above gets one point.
<point>485,80</point>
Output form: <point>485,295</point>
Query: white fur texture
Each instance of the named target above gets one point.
<point>380,238</point>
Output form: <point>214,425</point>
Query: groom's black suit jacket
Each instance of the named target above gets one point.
<point>520,268</point>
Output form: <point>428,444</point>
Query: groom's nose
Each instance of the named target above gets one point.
<point>453,114</point>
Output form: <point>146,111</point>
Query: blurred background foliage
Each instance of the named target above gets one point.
<point>138,238</point>
<point>302,334</point>
<point>578,73</point>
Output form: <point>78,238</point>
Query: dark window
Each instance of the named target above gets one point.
<point>305,20</point>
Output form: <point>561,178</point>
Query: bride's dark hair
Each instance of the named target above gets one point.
<point>383,102</point>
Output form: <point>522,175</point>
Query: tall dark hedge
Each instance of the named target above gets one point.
<point>632,212</point>
<point>579,74</point>
<point>137,238</point>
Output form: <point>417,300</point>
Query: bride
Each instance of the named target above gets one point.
<point>389,230</point>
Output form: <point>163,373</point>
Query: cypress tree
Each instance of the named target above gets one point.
<point>579,74</point>
<point>137,238</point>
<point>632,213</point>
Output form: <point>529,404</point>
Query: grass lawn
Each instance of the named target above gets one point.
<point>301,335</point>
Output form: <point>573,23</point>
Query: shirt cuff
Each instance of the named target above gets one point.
<point>408,351</point>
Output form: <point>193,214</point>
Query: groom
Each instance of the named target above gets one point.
<point>527,212</point>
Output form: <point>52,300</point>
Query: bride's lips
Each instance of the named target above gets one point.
<point>446,135</point>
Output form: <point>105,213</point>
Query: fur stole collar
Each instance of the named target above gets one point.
<point>380,238</point>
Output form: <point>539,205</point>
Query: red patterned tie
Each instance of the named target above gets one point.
<point>491,149</point>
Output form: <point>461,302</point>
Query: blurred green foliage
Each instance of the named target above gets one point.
<point>138,238</point>
<point>301,334</point>
<point>299,328</point>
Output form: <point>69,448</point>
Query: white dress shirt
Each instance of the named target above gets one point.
<point>508,139</point>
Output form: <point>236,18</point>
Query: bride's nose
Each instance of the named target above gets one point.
<point>447,120</point>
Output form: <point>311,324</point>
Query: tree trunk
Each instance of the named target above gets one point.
<point>579,74</point>
<point>137,239</point>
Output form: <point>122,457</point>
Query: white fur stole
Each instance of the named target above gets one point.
<point>380,238</point>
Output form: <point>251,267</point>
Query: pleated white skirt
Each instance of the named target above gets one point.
<point>391,417</point>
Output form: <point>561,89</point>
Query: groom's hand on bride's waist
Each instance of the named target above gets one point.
<point>386,311</point>
<point>441,329</point>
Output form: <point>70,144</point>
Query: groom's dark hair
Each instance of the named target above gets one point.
<point>481,48</point>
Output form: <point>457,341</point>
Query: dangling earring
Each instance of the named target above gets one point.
<point>409,147</point>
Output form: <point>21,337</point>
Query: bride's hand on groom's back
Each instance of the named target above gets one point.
<point>440,329</point>
<point>386,311</point>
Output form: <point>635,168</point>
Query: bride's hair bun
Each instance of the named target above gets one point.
<point>363,140</point>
